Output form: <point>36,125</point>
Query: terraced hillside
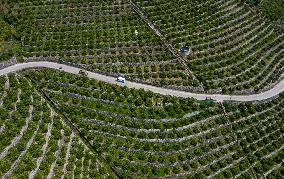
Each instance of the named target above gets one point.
<point>234,49</point>
<point>34,140</point>
<point>8,45</point>
<point>149,135</point>
<point>105,36</point>
<point>55,124</point>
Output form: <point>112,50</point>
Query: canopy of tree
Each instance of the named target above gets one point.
<point>274,9</point>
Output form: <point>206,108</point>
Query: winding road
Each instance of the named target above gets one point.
<point>277,89</point>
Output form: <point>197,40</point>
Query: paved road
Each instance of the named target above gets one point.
<point>218,97</point>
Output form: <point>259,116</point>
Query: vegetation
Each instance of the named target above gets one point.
<point>105,36</point>
<point>149,135</point>
<point>8,45</point>
<point>273,9</point>
<point>36,142</point>
<point>234,48</point>
<point>253,2</point>
<point>55,124</point>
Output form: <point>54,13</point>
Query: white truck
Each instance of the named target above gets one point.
<point>120,79</point>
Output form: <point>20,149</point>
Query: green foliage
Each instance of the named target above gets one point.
<point>8,45</point>
<point>144,139</point>
<point>142,134</point>
<point>109,37</point>
<point>35,138</point>
<point>253,2</point>
<point>232,44</point>
<point>274,9</point>
<point>6,30</point>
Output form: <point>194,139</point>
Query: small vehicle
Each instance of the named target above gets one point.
<point>82,72</point>
<point>60,68</point>
<point>120,79</point>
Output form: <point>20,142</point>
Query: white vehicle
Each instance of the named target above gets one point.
<point>120,79</point>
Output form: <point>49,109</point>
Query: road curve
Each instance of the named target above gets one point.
<point>277,89</point>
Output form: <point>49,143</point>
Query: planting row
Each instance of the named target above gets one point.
<point>234,49</point>
<point>104,36</point>
<point>145,134</point>
<point>34,140</point>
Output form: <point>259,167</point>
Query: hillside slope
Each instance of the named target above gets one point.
<point>150,135</point>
